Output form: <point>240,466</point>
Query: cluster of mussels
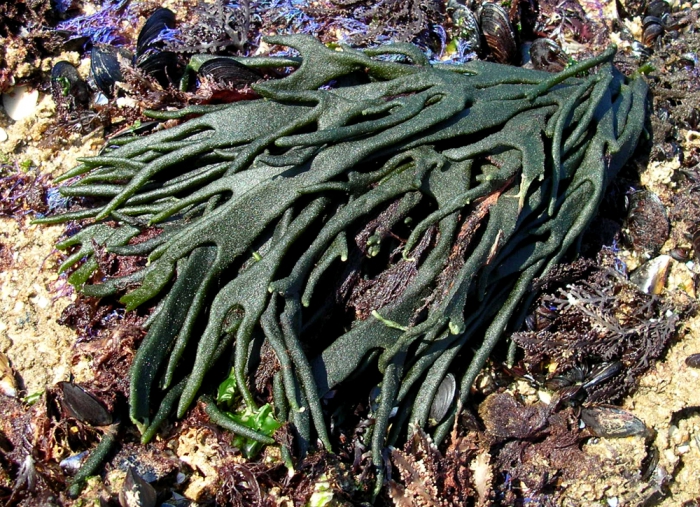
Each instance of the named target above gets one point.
<point>370,217</point>
<point>113,66</point>
<point>487,30</point>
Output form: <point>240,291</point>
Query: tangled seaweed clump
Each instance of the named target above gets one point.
<point>391,222</point>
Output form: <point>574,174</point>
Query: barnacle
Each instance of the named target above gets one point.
<point>425,197</point>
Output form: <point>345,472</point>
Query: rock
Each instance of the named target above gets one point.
<point>21,102</point>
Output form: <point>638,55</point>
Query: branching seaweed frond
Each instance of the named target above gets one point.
<point>389,223</point>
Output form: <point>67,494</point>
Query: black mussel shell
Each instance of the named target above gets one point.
<point>105,66</point>
<point>558,383</point>
<point>680,254</point>
<point>161,65</point>
<point>69,82</point>
<point>658,8</point>
<point>226,71</point>
<point>136,492</point>
<point>653,29</point>
<point>547,55</point>
<point>158,21</point>
<point>83,406</point>
<point>693,360</point>
<point>443,398</point>
<point>466,24</point>
<point>499,34</point>
<point>572,395</point>
<point>602,373</point>
<point>612,422</point>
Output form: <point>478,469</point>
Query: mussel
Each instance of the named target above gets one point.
<point>136,492</point>
<point>498,33</point>
<point>612,422</point>
<point>72,464</point>
<point>106,66</point>
<point>162,66</point>
<point>658,8</point>
<point>656,17</point>
<point>602,373</point>
<point>108,62</point>
<point>693,360</point>
<point>653,29</point>
<point>651,276</point>
<point>156,23</point>
<point>81,405</point>
<point>150,56</point>
<point>680,254</point>
<point>547,55</point>
<point>443,398</point>
<point>466,24</point>
<point>227,72</point>
<point>68,83</point>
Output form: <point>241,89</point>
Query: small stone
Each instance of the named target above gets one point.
<point>21,102</point>
<point>3,135</point>
<point>8,385</point>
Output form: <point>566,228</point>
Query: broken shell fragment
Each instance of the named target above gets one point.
<point>83,406</point>
<point>443,398</point>
<point>651,276</point>
<point>612,422</point>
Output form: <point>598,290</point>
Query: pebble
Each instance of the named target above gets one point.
<point>21,102</point>
<point>8,385</point>
<point>3,135</point>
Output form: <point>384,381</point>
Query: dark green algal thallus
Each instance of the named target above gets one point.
<point>419,201</point>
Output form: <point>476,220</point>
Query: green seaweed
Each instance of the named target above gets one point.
<point>489,173</point>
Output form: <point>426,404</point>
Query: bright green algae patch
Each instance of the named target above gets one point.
<point>425,197</point>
